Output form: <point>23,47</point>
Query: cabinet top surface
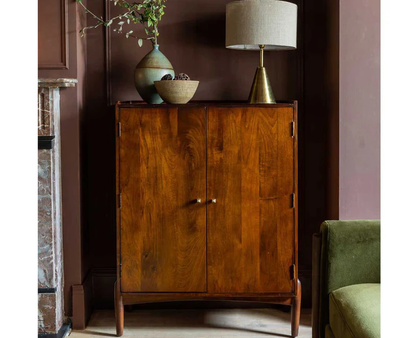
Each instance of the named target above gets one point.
<point>141,104</point>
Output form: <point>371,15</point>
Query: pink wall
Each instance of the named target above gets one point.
<point>359,109</point>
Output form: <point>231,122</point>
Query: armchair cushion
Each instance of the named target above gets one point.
<point>354,311</point>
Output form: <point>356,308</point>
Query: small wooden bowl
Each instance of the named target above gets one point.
<point>176,91</point>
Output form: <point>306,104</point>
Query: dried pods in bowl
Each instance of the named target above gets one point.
<point>166,77</point>
<point>180,76</point>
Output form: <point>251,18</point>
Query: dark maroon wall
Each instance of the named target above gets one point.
<point>192,36</point>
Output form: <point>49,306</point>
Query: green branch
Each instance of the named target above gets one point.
<point>147,12</point>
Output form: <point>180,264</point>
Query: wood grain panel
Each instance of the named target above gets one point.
<point>162,173</point>
<point>251,175</point>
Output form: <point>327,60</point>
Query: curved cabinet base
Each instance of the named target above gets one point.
<point>121,299</point>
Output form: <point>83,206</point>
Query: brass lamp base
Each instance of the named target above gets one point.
<point>261,90</point>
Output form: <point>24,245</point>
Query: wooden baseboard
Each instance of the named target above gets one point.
<point>78,307</point>
<point>103,280</point>
<point>96,292</point>
<point>305,277</point>
<point>82,303</point>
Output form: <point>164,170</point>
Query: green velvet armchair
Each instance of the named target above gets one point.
<point>346,280</point>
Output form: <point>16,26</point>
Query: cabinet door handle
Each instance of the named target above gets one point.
<point>214,200</point>
<point>198,200</point>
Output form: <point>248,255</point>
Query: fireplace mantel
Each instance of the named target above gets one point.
<point>51,317</point>
<point>57,83</point>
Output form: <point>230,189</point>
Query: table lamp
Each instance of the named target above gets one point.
<point>261,25</point>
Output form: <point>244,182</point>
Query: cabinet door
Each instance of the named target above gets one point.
<point>251,173</point>
<point>162,173</point>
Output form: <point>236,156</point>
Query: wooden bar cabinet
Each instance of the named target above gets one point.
<point>206,204</point>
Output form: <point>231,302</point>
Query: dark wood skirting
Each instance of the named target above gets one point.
<point>78,307</point>
<point>82,303</point>
<point>305,277</point>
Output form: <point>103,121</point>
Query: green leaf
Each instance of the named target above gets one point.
<point>140,42</point>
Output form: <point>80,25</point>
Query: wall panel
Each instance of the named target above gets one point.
<point>53,46</point>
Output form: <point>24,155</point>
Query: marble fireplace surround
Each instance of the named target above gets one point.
<point>51,318</point>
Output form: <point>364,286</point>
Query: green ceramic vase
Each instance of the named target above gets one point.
<point>151,68</point>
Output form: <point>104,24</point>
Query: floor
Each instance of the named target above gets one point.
<point>199,323</point>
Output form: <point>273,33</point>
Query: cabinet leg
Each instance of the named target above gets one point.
<point>119,309</point>
<point>296,310</point>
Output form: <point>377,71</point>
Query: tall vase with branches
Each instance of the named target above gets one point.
<point>148,13</point>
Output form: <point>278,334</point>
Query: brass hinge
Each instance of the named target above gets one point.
<point>293,129</point>
<point>119,129</point>
<point>292,271</point>
<point>293,200</point>
<point>119,201</point>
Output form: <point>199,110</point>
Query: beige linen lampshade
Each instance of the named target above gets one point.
<point>261,25</point>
